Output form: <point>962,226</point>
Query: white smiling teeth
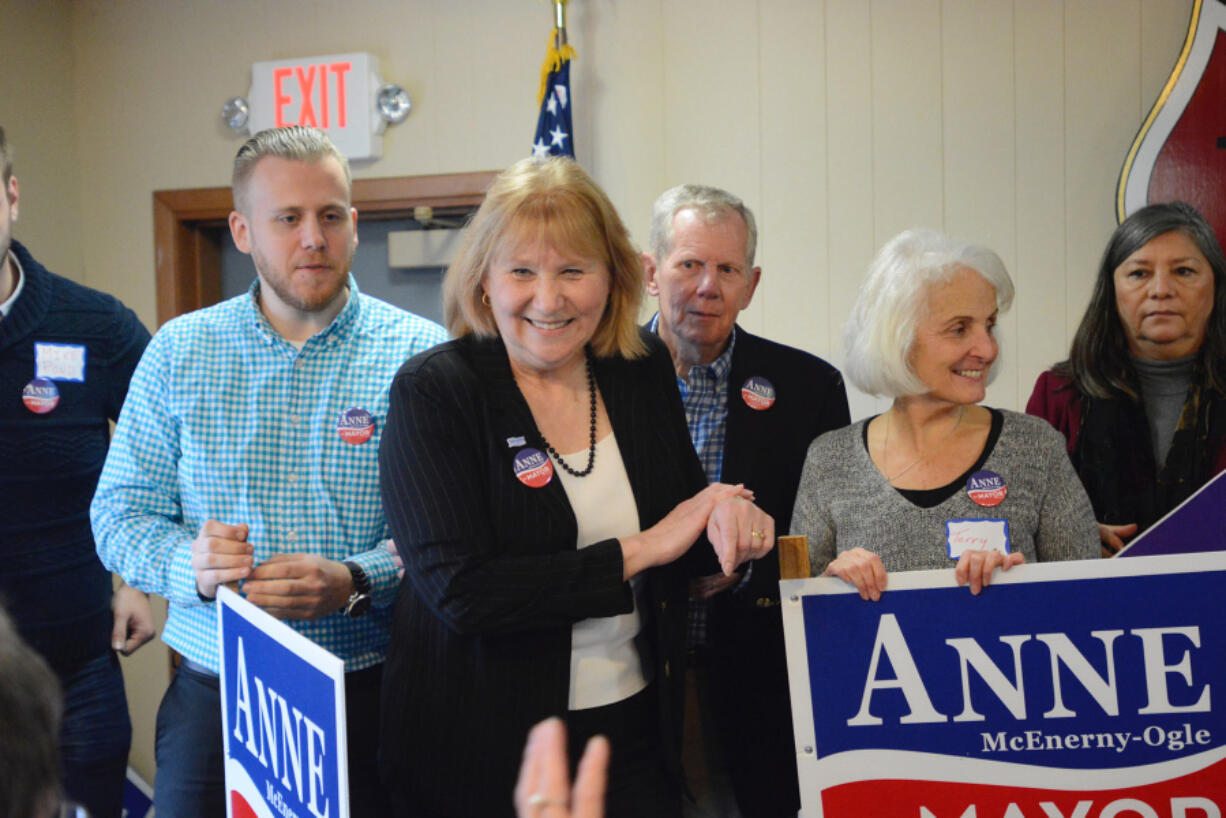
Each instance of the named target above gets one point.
<point>969,373</point>
<point>547,324</point>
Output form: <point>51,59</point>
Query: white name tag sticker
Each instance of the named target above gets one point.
<point>976,535</point>
<point>59,362</point>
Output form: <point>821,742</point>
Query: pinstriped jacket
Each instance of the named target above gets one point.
<point>493,583</point>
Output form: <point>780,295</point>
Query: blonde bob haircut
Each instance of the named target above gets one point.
<point>880,332</point>
<point>554,201</point>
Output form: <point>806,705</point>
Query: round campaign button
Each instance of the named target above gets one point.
<point>986,488</point>
<point>355,426</point>
<point>40,396</point>
<point>532,468</point>
<point>758,393</point>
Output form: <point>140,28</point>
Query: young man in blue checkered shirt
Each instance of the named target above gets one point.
<point>753,408</point>
<point>248,452</point>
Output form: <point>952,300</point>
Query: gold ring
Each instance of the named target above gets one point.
<point>756,533</point>
<point>538,799</point>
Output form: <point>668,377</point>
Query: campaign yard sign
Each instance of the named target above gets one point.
<point>1091,689</point>
<point>1195,525</point>
<point>283,718</point>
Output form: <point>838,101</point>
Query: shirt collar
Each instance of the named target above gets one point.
<point>7,306</point>
<point>720,367</point>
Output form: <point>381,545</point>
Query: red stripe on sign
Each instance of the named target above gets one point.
<point>239,808</point>
<point>1201,794</point>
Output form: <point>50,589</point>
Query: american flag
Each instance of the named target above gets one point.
<point>553,126</point>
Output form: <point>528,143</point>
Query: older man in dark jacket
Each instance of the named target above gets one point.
<point>753,407</point>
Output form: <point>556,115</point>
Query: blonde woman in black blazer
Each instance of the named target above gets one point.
<point>499,587</point>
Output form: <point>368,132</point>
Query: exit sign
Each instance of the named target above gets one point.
<point>335,93</point>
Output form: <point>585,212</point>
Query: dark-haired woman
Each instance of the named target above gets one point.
<point>1141,399</point>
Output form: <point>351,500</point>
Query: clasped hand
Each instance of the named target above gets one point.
<point>737,529</point>
<point>288,586</point>
<point>864,569</point>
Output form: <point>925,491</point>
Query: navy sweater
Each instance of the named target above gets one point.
<point>50,578</point>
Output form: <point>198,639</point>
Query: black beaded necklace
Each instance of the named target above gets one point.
<point>591,446</point>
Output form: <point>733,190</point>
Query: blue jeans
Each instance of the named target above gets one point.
<point>190,751</point>
<point>95,736</point>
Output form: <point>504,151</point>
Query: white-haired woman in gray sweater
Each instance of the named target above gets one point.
<point>937,480</point>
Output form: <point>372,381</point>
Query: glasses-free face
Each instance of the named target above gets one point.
<point>703,283</point>
<point>955,343</point>
<point>301,233</point>
<point>547,303</point>
<point>1164,295</point>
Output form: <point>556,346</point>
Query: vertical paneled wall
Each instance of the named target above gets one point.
<point>844,121</point>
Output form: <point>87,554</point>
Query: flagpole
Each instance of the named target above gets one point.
<point>554,126</point>
<point>559,22</point>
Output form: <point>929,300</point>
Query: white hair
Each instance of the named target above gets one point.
<point>893,299</point>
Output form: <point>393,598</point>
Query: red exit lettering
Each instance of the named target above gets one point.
<point>312,94</point>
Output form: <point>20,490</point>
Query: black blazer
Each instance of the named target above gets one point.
<point>481,627</point>
<point>766,451</point>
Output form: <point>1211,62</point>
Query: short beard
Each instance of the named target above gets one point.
<point>285,293</point>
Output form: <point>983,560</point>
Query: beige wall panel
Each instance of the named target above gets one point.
<point>979,145</point>
<point>1164,26</point>
<point>36,80</point>
<point>1039,269</point>
<point>711,97</point>
<point>908,166</point>
<point>618,85</point>
<point>794,298</point>
<point>1102,92</point>
<point>465,110</point>
<point>849,170</point>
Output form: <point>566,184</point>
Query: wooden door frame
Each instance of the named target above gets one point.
<point>187,254</point>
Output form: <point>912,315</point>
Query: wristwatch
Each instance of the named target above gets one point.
<point>359,601</point>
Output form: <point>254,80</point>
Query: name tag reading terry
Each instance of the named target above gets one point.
<point>976,535</point>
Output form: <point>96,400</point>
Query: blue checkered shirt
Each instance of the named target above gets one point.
<point>226,420</point>
<point>705,397</point>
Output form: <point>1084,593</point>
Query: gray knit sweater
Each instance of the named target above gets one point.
<point>844,502</point>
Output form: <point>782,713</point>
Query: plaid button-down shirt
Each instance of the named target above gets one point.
<point>226,420</point>
<point>705,397</point>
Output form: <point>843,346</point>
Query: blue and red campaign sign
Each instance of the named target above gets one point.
<point>283,718</point>
<point>1091,689</point>
<point>1197,524</point>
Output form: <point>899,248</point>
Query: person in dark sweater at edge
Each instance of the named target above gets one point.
<point>753,407</point>
<point>66,355</point>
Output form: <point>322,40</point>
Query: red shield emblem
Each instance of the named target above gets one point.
<point>1180,151</point>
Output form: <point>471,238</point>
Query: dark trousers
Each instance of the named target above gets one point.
<point>95,736</point>
<point>640,785</point>
<point>190,751</point>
